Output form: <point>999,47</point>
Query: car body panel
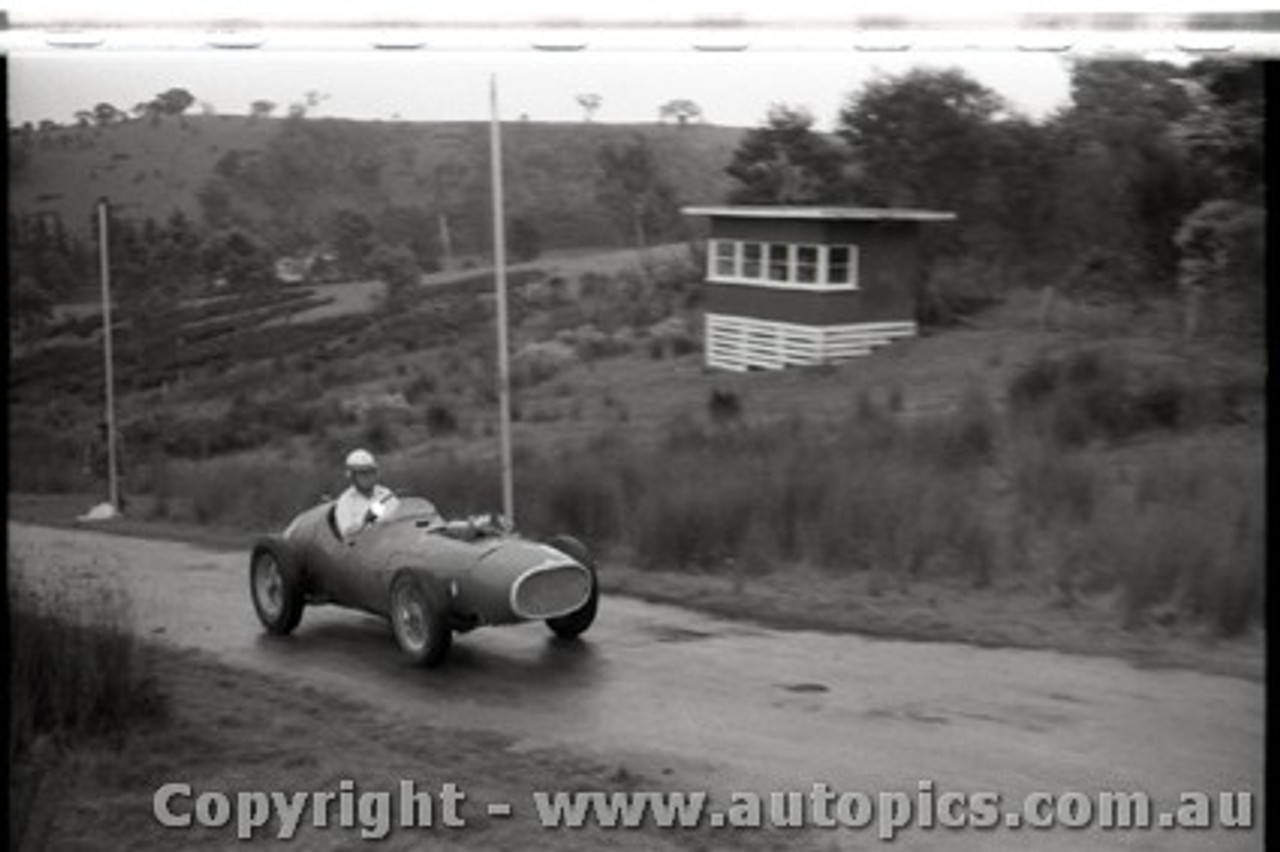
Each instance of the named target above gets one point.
<point>489,578</point>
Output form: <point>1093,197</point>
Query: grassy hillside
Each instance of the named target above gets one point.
<point>1078,453</point>
<point>150,168</point>
<point>1098,463</point>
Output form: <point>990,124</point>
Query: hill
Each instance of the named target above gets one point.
<point>263,171</point>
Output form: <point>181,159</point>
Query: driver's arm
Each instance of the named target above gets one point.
<point>384,503</point>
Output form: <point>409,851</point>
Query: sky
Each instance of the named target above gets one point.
<point>734,89</point>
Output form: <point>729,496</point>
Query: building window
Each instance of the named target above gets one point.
<point>724,256</point>
<point>752,256</point>
<point>842,265</point>
<point>779,262</point>
<point>806,266</point>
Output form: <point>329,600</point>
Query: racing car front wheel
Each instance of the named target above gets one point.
<point>420,620</point>
<point>574,624</point>
<point>275,583</point>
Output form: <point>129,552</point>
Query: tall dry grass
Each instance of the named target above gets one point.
<point>973,494</point>
<point>75,671</point>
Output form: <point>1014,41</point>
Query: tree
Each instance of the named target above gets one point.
<point>920,139</point>
<point>1126,181</point>
<point>632,190</point>
<point>785,162</point>
<point>174,101</point>
<point>526,239</point>
<point>590,103</point>
<point>682,110</point>
<point>1222,246</point>
<point>30,309</point>
<point>106,114</point>
<point>397,268</point>
<point>351,234</point>
<point>237,257</point>
<point>1224,128</point>
<point>261,109</point>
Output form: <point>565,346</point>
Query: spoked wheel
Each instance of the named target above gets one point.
<point>419,620</point>
<point>275,584</point>
<point>575,623</point>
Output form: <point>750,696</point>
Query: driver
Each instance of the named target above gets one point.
<point>365,501</point>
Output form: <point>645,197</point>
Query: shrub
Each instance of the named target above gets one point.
<point>1188,541</point>
<point>694,520</point>
<point>1096,394</point>
<point>963,438</point>
<point>253,495</point>
<point>891,515</point>
<point>1053,485</point>
<point>441,420</point>
<point>74,670</point>
<point>458,487</point>
<point>422,387</point>
<point>378,433</point>
<point>578,494</point>
<point>724,407</point>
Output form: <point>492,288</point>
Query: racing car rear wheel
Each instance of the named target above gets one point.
<point>420,620</point>
<point>275,583</point>
<point>576,623</point>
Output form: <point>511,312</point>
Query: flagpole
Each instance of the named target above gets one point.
<point>113,486</point>
<point>500,277</point>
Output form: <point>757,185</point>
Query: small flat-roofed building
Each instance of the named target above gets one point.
<point>808,285</point>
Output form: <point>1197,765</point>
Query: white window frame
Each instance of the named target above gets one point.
<point>853,267</point>
<point>713,259</point>
<point>822,271</point>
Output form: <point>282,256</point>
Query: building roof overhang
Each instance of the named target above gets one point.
<point>848,214</point>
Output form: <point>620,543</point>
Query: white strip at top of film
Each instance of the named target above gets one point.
<point>1247,27</point>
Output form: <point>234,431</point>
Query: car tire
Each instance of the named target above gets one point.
<point>276,587</point>
<point>574,624</point>
<point>420,620</point>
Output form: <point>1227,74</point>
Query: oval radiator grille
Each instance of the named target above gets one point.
<point>548,592</point>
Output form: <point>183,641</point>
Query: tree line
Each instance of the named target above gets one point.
<point>1149,182</point>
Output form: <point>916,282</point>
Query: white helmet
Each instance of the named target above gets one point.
<point>361,460</point>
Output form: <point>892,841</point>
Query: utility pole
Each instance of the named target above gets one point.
<point>113,485</point>
<point>500,277</point>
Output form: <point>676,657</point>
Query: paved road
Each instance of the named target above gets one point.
<point>711,704</point>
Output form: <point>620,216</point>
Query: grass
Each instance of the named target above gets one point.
<point>76,680</point>
<point>235,729</point>
<point>975,493</point>
<point>74,672</point>
<point>980,456</point>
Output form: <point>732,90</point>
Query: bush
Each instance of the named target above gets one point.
<point>582,494</point>
<point>694,521</point>
<point>253,495</point>
<point>964,438</point>
<point>1051,484</point>
<point>724,407</point>
<point>74,670</point>
<point>1096,394</point>
<point>378,433</point>
<point>441,420</point>
<point>456,486</point>
<point>1187,542</point>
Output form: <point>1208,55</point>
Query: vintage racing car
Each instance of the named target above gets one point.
<point>429,577</point>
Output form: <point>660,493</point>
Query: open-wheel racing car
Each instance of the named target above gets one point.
<point>429,577</point>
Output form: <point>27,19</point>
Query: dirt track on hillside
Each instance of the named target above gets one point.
<point>723,706</point>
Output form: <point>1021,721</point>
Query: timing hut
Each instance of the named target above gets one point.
<point>808,285</point>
